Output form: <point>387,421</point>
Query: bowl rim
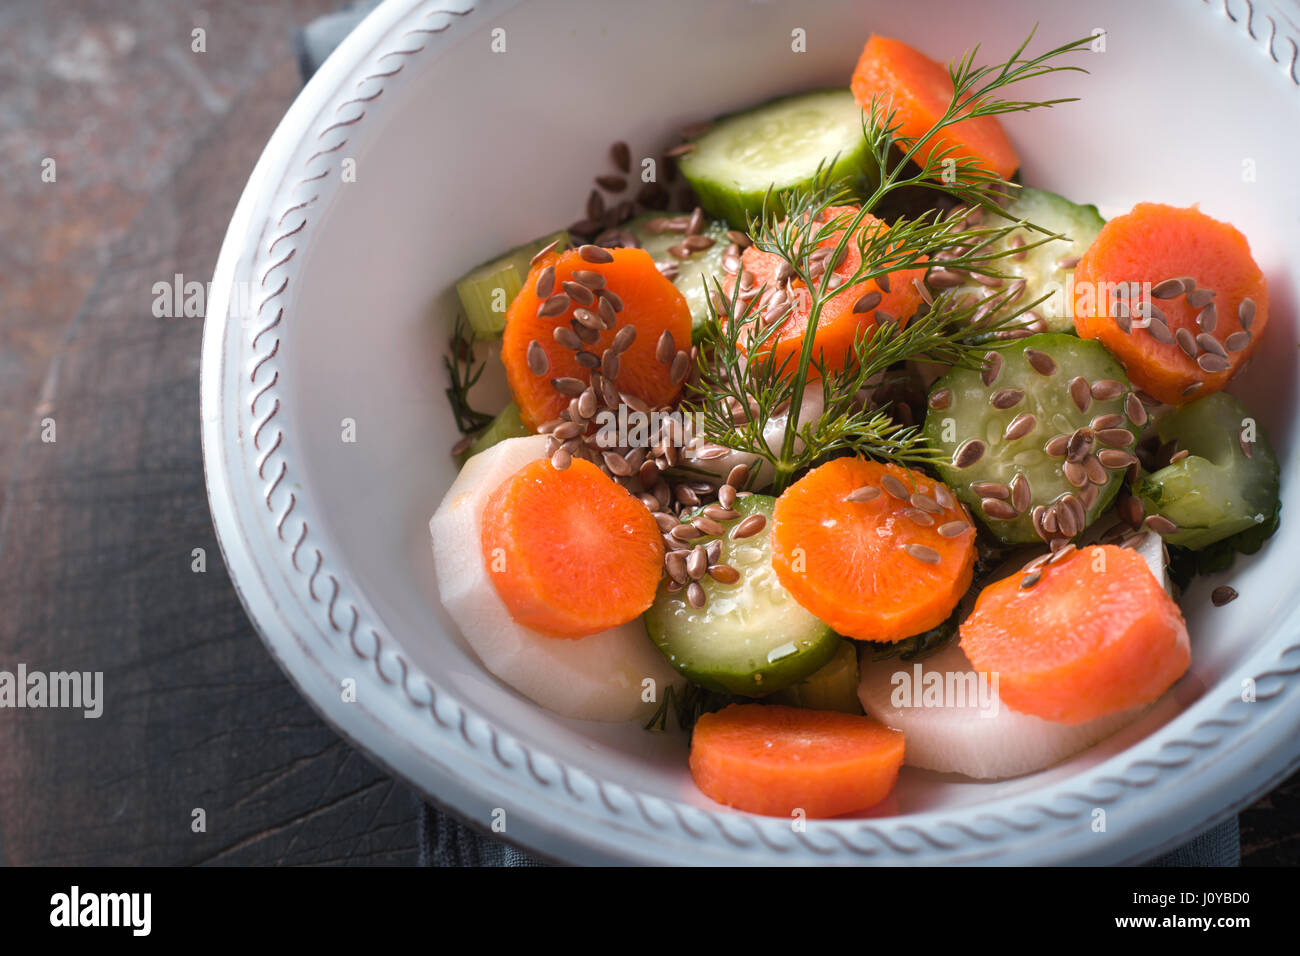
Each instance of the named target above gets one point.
<point>1210,760</point>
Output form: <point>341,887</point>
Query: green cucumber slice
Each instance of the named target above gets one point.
<point>487,290</point>
<point>981,464</point>
<point>694,274</point>
<point>832,687</point>
<point>778,146</point>
<point>1217,490</point>
<point>505,425</point>
<point>750,638</point>
<point>1044,268</point>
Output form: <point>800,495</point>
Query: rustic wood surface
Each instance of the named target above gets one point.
<point>98,527</point>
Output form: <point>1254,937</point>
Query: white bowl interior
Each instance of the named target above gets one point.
<point>476,156</point>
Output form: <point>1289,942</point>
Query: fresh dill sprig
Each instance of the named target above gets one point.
<point>687,706</point>
<point>464,375</point>
<point>741,388</point>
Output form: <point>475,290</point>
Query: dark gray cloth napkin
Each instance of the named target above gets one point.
<point>444,840</point>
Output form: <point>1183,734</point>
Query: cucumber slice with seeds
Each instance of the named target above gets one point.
<point>751,637</point>
<point>778,146</point>
<point>487,290</point>
<point>694,274</point>
<point>1227,483</point>
<point>1036,444</point>
<point>1044,268</point>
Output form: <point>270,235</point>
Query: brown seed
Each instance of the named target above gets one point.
<point>1041,362</point>
<point>623,339</point>
<point>665,521</point>
<point>868,302</point>
<point>538,363</point>
<point>675,565</point>
<point>561,459</point>
<point>943,497</point>
<point>1056,447</point>
<point>968,452</point>
<point>714,550</point>
<point>610,364</point>
<point>940,400</point>
<point>1115,458</point>
<point>1051,521</point>
<point>1020,426</point>
<point>724,573</point>
<point>1208,318</point>
<point>991,282</point>
<point>1246,313</point>
<point>621,155</point>
<point>917,516</point>
<point>940,278</point>
<point>991,489</point>
<point>1107,388</point>
<point>537,257</point>
<point>613,184</point>
<point>1237,341</point>
<point>991,367</point>
<point>749,527</point>
<point>737,477</point>
<point>895,487</point>
<point>952,529</point>
<point>1029,580</point>
<point>697,563</point>
<point>1124,322</point>
<point>615,462</point>
<point>586,359</point>
<point>1210,344</point>
<point>1115,437</point>
<point>1167,289</point>
<point>1078,443</point>
<point>1130,509</point>
<point>1212,363</point>
<point>1088,495</point>
<point>694,593</point>
<point>587,318</point>
<point>592,280</point>
<point>685,532</point>
<point>1095,470</point>
<point>1179,455</point>
<point>545,283</point>
<point>1199,297</point>
<point>697,243</point>
<point>1066,521</point>
<point>997,508</point>
<point>1186,342</point>
<point>1135,410</point>
<point>926,503</point>
<point>1193,388</point>
<point>863,494</point>
<point>1005,398</point>
<point>719,513</point>
<point>1222,595</point>
<point>587,406</point>
<point>608,307</point>
<point>1067,262</point>
<point>1021,493</point>
<point>555,305</point>
<point>593,254</point>
<point>1106,421</point>
<point>680,366</point>
<point>567,337</point>
<point>572,387</point>
<point>665,348</point>
<point>1160,332</point>
<point>1161,525</point>
<point>923,553</point>
<point>1075,473</point>
<point>579,293</point>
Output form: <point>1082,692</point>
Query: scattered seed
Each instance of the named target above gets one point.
<point>587,318</point>
<point>1210,344</point>
<point>1021,493</point>
<point>1199,297</point>
<point>868,302</point>
<point>712,452</point>
<point>992,366</point>
<point>1160,332</point>
<point>724,573</point>
<point>749,527</point>
<point>1186,342</point>
<point>863,494</point>
<point>1115,437</point>
<point>1067,262</point>
<point>737,477</point>
<point>1193,388</point>
<point>1167,289</point>
<point>943,497</point>
<point>1115,458</point>
<point>714,550</point>
<point>1075,473</point>
<point>1222,595</point>
<point>579,293</point>
<point>591,253</point>
<point>1095,470</point>
<point>567,337</point>
<point>925,503</point>
<point>1212,363</point>
<point>1080,393</point>
<point>1050,522</point>
<point>923,553</point>
<point>572,387</point>
<point>940,399</point>
<point>895,487</point>
<point>1088,495</point>
<point>727,496</point>
<point>605,310</point>
<point>592,280</point>
<point>1161,525</point>
<point>542,252</point>
<point>1107,388</point>
<point>1130,509</point>
<point>1135,410</point>
<point>952,529</point>
<point>561,459</point>
<point>623,339</point>
<point>553,306</point>
<point>969,452</point>
<point>1237,341</point>
<point>1020,426</point>
<point>917,516</point>
<point>694,593</point>
<point>587,407</point>
<point>1041,362</point>
<point>680,366</point>
<point>1029,580</point>
<point>1056,447</point>
<point>685,532</point>
<point>538,363</point>
<point>997,508</point>
<point>1006,398</point>
<point>991,489</point>
<point>1106,421</point>
<point>1078,443</point>
<point>991,282</point>
<point>1246,313</point>
<point>1066,520</point>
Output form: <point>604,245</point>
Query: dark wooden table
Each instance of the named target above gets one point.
<point>99,526</point>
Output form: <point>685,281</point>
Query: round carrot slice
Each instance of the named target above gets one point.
<point>1091,635</point>
<point>879,552</point>
<point>570,552</point>
<point>837,323</point>
<point>920,90</point>
<point>1209,299</point>
<point>776,760</point>
<point>642,299</point>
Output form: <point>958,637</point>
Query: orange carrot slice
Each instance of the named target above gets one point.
<point>649,303</point>
<point>837,323</point>
<point>878,552</point>
<point>1206,328</point>
<point>1094,634</point>
<point>776,760</point>
<point>920,90</point>
<point>570,552</point>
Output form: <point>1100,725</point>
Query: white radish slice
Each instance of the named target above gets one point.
<point>598,677</point>
<point>985,738</point>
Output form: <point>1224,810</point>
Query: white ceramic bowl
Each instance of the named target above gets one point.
<point>459,152</point>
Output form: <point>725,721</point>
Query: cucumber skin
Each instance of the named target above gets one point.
<point>857,169</point>
<point>832,687</point>
<point>756,681</point>
<point>1020,530</point>
<point>1208,428</point>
